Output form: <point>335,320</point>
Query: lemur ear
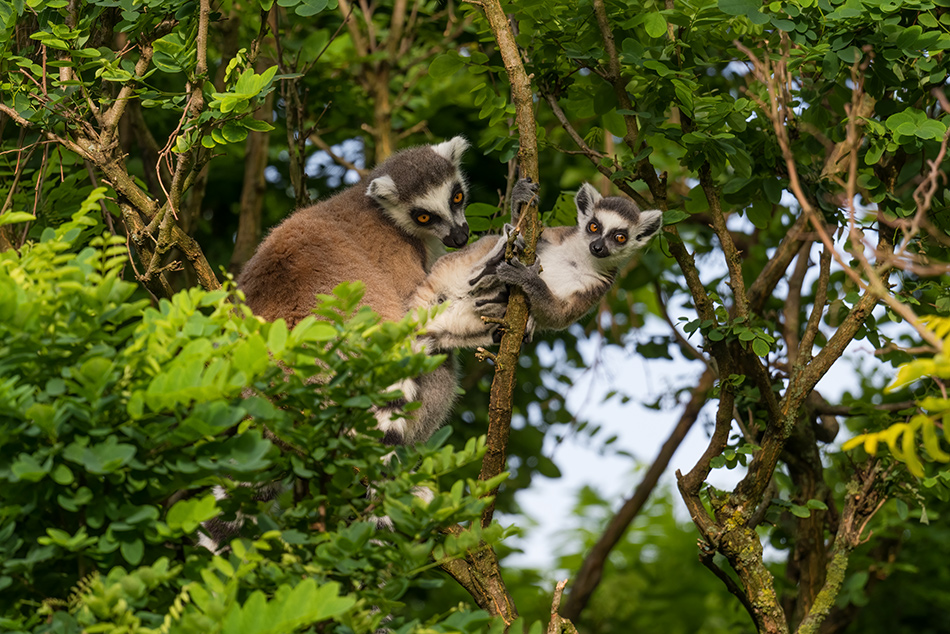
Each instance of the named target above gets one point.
<point>650,222</point>
<point>586,199</point>
<point>452,150</point>
<point>383,190</point>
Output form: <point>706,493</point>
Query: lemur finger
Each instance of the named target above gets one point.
<point>500,299</point>
<point>486,275</point>
<point>529,330</point>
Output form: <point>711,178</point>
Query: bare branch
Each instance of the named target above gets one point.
<point>818,308</point>
<point>733,261</point>
<point>589,575</point>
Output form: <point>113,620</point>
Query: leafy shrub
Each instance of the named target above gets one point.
<point>117,418</point>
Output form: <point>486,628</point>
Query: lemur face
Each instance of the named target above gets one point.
<point>615,228</point>
<point>424,191</point>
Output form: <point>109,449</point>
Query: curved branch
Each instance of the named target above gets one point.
<point>589,575</point>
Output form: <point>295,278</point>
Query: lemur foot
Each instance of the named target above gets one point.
<point>493,306</point>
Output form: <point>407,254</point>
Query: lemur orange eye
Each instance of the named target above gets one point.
<point>457,198</point>
<point>423,218</point>
<point>592,227</point>
<point>620,238</point>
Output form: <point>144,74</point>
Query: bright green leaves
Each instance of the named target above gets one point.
<point>229,115</point>
<point>120,417</point>
<point>13,217</point>
<point>174,54</point>
<point>903,438</point>
<point>937,366</point>
<point>654,24</point>
<point>909,127</point>
<point>186,515</point>
<point>249,85</point>
<point>305,604</point>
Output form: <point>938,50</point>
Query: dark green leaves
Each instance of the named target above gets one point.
<point>100,457</point>
<point>748,8</point>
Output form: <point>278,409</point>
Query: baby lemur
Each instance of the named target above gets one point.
<point>575,268</point>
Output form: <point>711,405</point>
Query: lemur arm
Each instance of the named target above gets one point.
<point>550,311</point>
<point>460,324</point>
<point>522,193</point>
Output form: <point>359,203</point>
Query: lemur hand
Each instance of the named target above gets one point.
<point>486,276</point>
<point>518,273</point>
<point>518,246</point>
<point>521,194</point>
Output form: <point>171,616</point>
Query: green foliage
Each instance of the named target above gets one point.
<point>935,414</point>
<point>119,417</point>
<point>652,580</point>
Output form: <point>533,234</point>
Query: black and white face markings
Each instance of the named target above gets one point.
<point>423,191</point>
<point>429,213</point>
<point>614,227</point>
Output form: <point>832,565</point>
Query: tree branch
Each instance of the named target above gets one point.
<point>733,261</point>
<point>817,309</point>
<point>864,499</point>
<point>516,318</point>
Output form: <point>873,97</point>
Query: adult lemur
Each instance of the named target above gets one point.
<point>575,268</point>
<point>385,231</point>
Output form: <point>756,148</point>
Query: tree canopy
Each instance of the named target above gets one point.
<point>797,150</point>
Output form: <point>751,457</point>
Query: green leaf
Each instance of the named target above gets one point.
<point>445,65</point>
<point>28,468</point>
<point>655,24</point>
<point>748,8</point>
<point>800,511</point>
<point>308,8</point>
<point>673,216</point>
<point>760,347</point>
<point>902,510</point>
<point>760,213</point>
<point>187,515</point>
<point>132,551</point>
<point>13,217</point>
<point>481,209</point>
<point>234,132</point>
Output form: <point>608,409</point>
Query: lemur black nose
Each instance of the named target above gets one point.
<point>458,237</point>
<point>598,250</point>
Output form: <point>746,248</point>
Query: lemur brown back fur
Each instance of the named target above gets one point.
<point>344,238</point>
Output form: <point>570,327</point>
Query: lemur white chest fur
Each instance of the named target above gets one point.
<point>566,267</point>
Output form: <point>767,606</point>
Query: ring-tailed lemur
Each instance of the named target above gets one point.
<point>385,231</point>
<point>575,268</point>
<point>577,265</point>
